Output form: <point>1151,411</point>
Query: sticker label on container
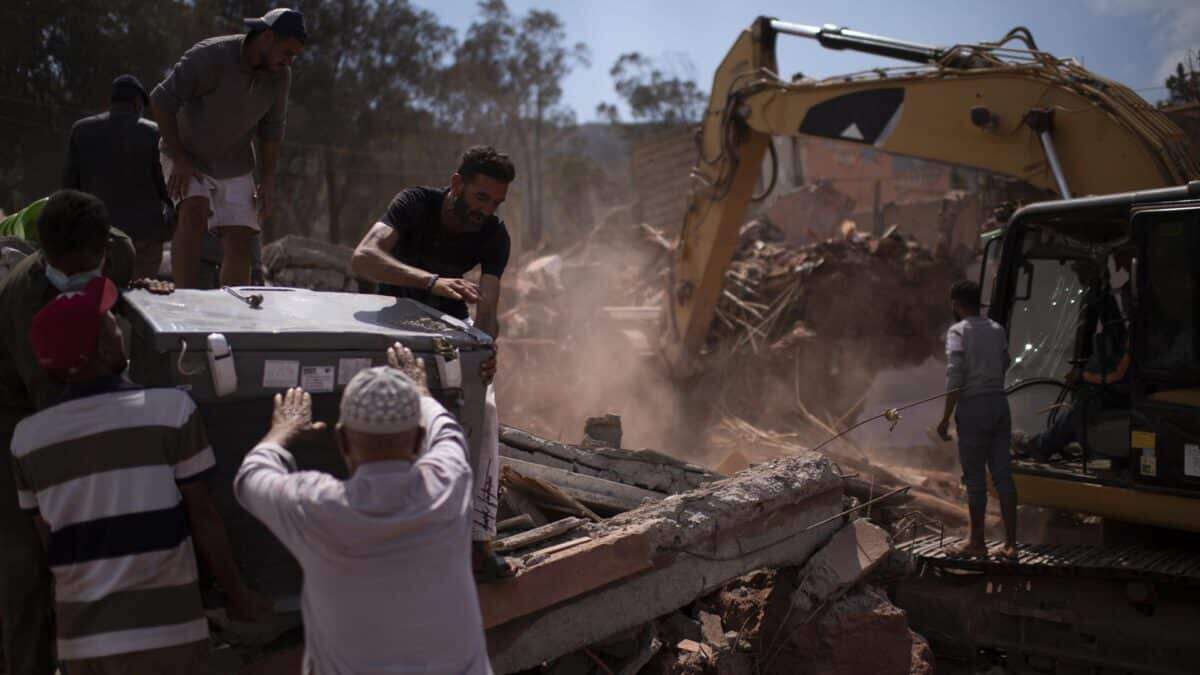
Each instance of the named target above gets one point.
<point>348,368</point>
<point>1191,460</point>
<point>280,374</point>
<point>315,379</point>
<point>1149,463</point>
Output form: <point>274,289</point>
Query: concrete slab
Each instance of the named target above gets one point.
<point>853,553</point>
<point>711,629</point>
<point>646,469</point>
<point>682,548</point>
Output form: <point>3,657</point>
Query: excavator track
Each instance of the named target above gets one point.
<point>1056,609</point>
<point>1121,562</point>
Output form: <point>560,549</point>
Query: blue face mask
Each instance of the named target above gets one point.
<point>75,282</point>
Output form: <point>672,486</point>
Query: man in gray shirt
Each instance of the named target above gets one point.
<point>218,97</point>
<point>976,360</point>
<point>386,553</point>
<point>114,155</point>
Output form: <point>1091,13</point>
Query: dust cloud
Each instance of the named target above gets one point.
<point>565,358</point>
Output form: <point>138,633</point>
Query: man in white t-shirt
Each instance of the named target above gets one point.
<point>386,553</point>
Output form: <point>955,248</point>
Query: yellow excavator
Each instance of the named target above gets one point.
<point>1011,109</point>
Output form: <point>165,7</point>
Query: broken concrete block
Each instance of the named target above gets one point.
<point>693,647</point>
<point>662,556</point>
<point>604,431</point>
<point>865,633</point>
<point>853,553</point>
<point>711,629</point>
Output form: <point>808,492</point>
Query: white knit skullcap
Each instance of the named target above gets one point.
<point>381,400</point>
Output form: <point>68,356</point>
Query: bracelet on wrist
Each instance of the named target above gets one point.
<point>432,282</point>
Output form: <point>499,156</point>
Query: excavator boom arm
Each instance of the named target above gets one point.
<point>1021,113</point>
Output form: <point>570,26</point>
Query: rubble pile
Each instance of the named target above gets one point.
<point>887,291</point>
<point>300,262</point>
<point>792,321</point>
<point>814,618</point>
<point>764,572</point>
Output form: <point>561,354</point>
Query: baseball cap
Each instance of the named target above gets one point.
<point>284,21</point>
<point>126,85</point>
<point>65,331</point>
<point>381,400</point>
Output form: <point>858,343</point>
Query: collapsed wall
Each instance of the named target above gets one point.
<point>764,571</point>
<point>654,559</point>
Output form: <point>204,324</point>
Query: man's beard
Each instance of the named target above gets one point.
<point>464,214</point>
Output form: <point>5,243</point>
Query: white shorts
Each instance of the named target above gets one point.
<point>230,200</point>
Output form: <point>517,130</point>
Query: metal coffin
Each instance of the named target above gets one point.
<point>294,337</point>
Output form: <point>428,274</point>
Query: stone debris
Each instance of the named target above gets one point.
<point>648,562</point>
<point>602,432</point>
<point>711,629</point>
<point>300,262</point>
<point>853,553</point>
<point>657,585</point>
<point>693,647</point>
<point>863,632</point>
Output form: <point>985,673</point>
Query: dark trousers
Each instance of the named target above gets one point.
<point>25,596</point>
<point>1058,436</point>
<point>1068,424</point>
<point>984,425</point>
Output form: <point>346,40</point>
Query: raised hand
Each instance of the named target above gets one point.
<point>292,417</point>
<point>401,358</point>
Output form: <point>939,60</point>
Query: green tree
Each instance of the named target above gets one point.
<point>57,65</point>
<point>505,88</point>
<point>1184,85</point>
<point>654,93</point>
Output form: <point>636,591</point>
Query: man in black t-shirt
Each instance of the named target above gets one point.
<point>420,249</point>
<point>430,237</point>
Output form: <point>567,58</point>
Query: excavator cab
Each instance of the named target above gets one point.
<point>1108,286</point>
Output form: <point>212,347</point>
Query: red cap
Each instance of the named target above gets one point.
<point>65,331</point>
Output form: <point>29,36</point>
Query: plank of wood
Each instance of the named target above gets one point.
<point>544,491</point>
<point>521,503</point>
<point>571,543</point>
<point>537,534</point>
<point>521,522</point>
<point>645,468</point>
<point>607,493</point>
<point>564,576</point>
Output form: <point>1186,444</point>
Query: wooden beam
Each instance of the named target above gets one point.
<point>545,490</point>
<point>521,522</point>
<point>587,489</point>
<point>535,535</point>
<point>564,546</point>
<point>521,503</point>
<point>565,575</point>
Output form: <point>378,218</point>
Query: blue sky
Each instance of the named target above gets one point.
<point>1133,41</point>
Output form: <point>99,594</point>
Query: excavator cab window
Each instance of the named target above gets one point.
<point>1169,292</point>
<point>1050,283</point>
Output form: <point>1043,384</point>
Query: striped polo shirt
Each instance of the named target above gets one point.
<point>102,471</point>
